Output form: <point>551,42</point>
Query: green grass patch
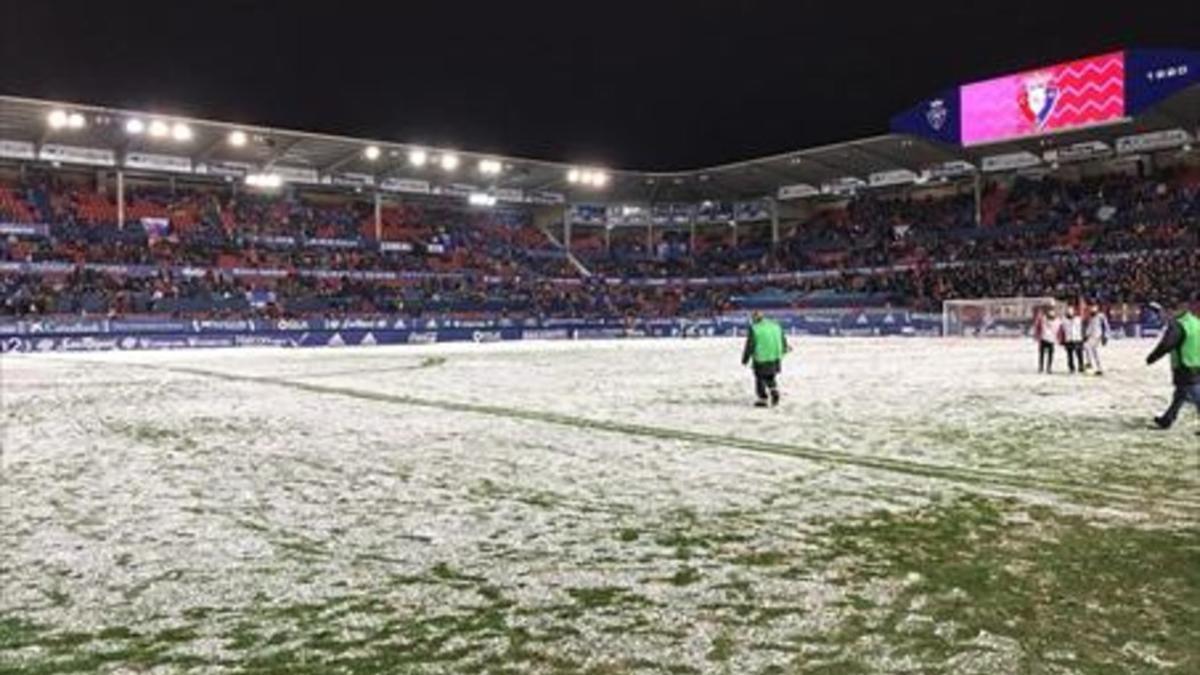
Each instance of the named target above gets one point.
<point>1115,596</point>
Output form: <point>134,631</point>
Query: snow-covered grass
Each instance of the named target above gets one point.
<point>614,507</point>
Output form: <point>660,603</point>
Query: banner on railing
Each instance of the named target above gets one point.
<point>156,228</point>
<point>405,185</point>
<point>397,246</point>
<point>57,336</point>
<point>331,243</point>
<point>25,229</point>
<point>798,191</point>
<point>226,169</point>
<point>157,162</point>
<point>1154,140</point>
<point>1010,161</point>
<point>296,174</point>
<point>17,149</point>
<point>73,154</point>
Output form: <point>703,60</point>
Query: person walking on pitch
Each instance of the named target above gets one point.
<point>765,347</point>
<point>1047,331</point>
<point>1182,341</point>
<point>1096,336</point>
<point>1073,340</point>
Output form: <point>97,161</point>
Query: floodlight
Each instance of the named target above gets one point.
<point>372,152</point>
<point>237,138</point>
<point>181,132</point>
<point>57,119</point>
<point>600,179</point>
<point>76,121</point>
<point>573,176</point>
<point>134,126</point>
<point>490,167</point>
<point>159,129</point>
<point>449,161</point>
<point>417,157</point>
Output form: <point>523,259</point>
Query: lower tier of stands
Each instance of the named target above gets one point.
<point>108,290</point>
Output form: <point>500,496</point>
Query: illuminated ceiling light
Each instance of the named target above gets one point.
<point>600,179</point>
<point>135,126</point>
<point>57,119</point>
<point>449,161</point>
<point>490,167</point>
<point>75,121</point>
<point>417,157</point>
<point>573,176</point>
<point>372,152</point>
<point>181,132</point>
<point>159,129</point>
<point>269,181</point>
<point>237,138</point>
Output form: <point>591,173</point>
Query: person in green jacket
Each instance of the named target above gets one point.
<point>1181,341</point>
<point>765,347</point>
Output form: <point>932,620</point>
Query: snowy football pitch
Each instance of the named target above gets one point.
<point>913,506</point>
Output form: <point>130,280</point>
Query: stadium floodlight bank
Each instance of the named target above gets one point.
<point>992,317</point>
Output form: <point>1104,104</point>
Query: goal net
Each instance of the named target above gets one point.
<point>992,317</point>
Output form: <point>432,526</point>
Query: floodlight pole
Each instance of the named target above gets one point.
<point>120,199</point>
<point>378,217</point>
<point>978,199</point>
<point>774,223</point>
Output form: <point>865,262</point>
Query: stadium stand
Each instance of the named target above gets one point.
<point>1117,237</point>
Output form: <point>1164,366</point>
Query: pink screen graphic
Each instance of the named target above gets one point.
<point>1065,96</point>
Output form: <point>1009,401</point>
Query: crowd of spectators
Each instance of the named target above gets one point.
<point>1115,238</point>
<point>214,228</point>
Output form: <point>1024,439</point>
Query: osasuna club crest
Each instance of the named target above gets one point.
<point>1037,98</point>
<point>937,114</point>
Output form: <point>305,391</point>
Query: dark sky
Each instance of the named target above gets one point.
<point>655,84</point>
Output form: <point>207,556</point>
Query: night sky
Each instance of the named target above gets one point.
<point>656,84</point>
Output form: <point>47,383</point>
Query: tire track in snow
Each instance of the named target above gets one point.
<point>957,474</point>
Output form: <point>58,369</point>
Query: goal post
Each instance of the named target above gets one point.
<point>992,317</point>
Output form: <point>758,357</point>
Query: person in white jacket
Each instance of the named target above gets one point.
<point>1048,331</point>
<point>1073,340</point>
<point>1095,337</point>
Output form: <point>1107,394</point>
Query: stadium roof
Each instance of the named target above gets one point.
<point>25,121</point>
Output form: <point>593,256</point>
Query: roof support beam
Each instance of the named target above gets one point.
<point>280,151</point>
<point>884,157</point>
<point>340,162</point>
<point>947,154</point>
<point>207,151</point>
<point>835,170</point>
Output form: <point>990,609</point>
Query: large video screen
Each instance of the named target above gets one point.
<point>1066,96</point>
